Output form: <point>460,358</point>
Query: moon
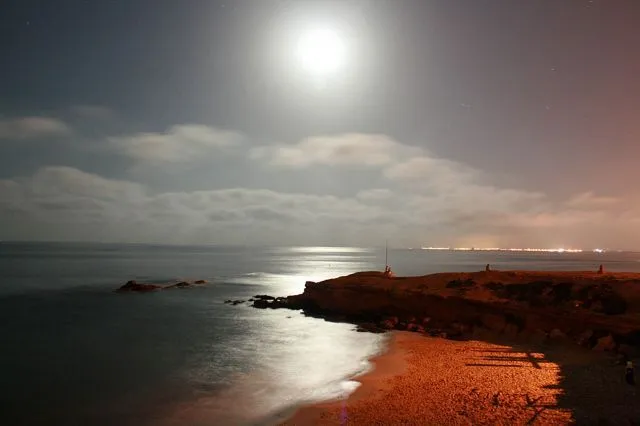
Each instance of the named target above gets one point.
<point>321,52</point>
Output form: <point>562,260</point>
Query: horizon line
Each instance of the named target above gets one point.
<point>424,248</point>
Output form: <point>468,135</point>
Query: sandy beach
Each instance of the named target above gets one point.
<point>485,381</point>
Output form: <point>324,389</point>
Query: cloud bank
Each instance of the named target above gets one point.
<point>420,199</point>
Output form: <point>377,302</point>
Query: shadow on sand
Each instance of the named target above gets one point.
<point>589,385</point>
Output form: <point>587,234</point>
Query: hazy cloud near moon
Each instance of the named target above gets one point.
<point>177,144</point>
<point>426,200</point>
<point>32,127</point>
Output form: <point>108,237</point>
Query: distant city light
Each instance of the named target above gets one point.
<point>528,249</point>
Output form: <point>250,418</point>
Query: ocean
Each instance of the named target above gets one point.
<point>74,352</point>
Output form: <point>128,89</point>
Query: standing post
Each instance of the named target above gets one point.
<point>386,254</point>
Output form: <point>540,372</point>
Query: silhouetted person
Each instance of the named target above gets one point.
<point>487,268</point>
<point>628,373</point>
<point>601,270</point>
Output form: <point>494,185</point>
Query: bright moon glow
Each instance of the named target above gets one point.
<point>321,52</point>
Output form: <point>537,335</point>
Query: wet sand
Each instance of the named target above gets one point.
<point>432,381</point>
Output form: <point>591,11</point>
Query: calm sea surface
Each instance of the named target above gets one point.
<point>73,352</point>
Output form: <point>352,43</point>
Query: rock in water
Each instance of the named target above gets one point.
<point>134,286</point>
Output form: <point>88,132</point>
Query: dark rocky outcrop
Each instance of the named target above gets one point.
<point>262,301</point>
<point>133,286</point>
<point>544,306</point>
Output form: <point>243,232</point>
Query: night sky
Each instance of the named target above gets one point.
<point>467,123</point>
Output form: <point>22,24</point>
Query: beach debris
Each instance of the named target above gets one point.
<point>497,397</point>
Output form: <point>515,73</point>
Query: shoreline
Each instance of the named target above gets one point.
<point>423,380</point>
<point>366,379</point>
<point>385,365</point>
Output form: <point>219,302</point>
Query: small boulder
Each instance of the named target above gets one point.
<point>494,322</point>
<point>539,336</point>
<point>261,304</point>
<point>264,297</point>
<point>458,328</point>
<point>605,344</point>
<point>584,338</point>
<point>392,320</point>
<point>368,327</point>
<point>388,324</point>
<point>511,330</point>
<point>628,350</point>
<point>200,282</point>
<point>556,334</point>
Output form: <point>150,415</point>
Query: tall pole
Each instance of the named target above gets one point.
<point>386,254</point>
